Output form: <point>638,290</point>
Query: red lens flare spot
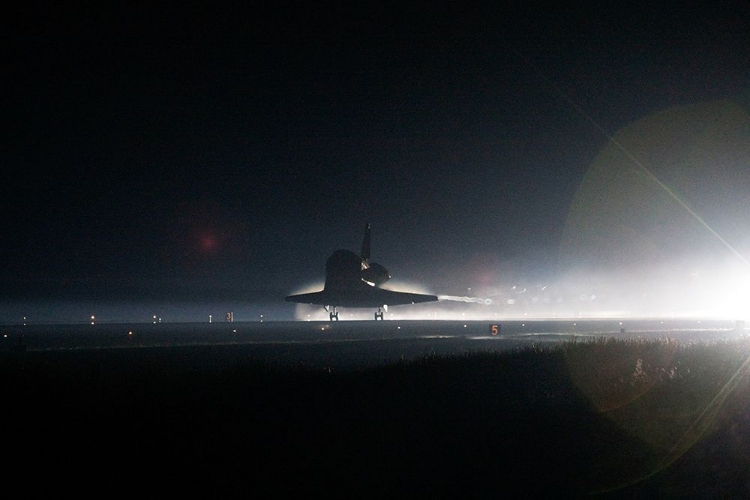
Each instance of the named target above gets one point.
<point>208,243</point>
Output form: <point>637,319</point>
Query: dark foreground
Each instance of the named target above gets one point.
<point>614,418</point>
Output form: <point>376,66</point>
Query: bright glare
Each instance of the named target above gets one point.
<point>683,292</point>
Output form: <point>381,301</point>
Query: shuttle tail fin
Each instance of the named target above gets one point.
<point>366,245</point>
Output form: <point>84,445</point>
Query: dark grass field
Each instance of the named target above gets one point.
<point>610,418</point>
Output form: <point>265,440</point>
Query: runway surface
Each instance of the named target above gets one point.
<point>358,343</point>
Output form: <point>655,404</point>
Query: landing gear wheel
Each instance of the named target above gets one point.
<point>379,316</point>
<point>334,316</point>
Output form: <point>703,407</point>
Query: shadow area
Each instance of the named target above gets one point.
<point>217,419</point>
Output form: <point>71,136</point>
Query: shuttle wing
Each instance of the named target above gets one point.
<point>370,297</point>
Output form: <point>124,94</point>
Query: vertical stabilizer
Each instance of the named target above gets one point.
<point>366,245</point>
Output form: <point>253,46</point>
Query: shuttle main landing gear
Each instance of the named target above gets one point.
<point>379,315</point>
<point>333,314</point>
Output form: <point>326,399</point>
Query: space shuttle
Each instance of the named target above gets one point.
<point>354,281</point>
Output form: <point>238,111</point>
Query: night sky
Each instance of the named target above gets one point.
<point>200,154</point>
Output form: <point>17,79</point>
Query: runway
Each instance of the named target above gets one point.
<point>351,344</point>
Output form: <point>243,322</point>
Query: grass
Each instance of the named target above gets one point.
<point>608,417</point>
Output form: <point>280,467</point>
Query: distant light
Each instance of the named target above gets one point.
<point>130,332</point>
